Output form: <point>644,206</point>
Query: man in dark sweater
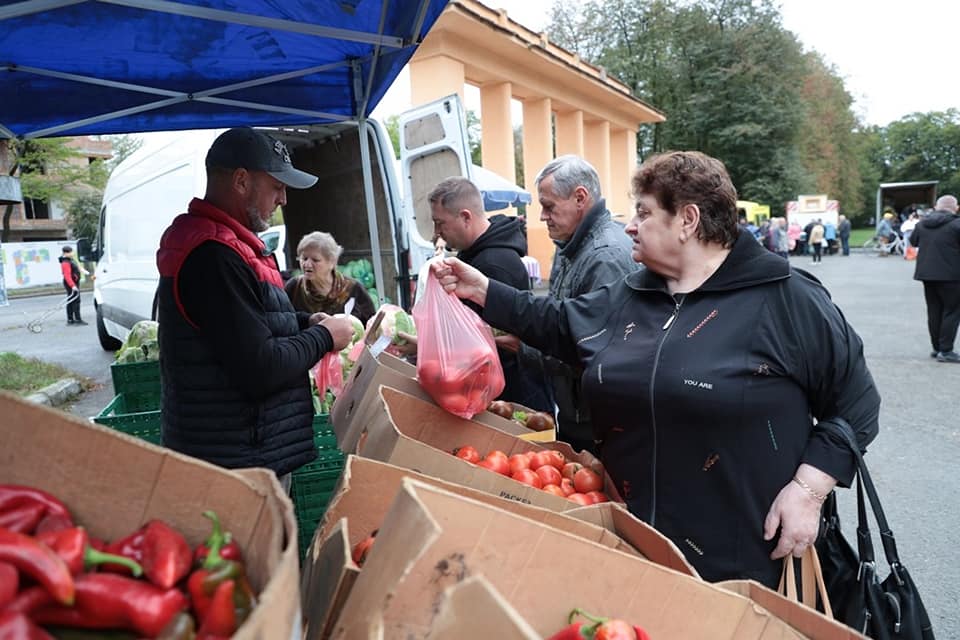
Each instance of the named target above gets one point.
<point>937,236</point>
<point>495,247</point>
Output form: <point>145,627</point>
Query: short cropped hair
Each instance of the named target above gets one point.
<point>455,193</point>
<point>320,241</point>
<point>690,177</point>
<point>570,172</point>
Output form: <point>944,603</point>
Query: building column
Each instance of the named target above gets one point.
<point>537,152</point>
<point>496,141</point>
<point>570,133</point>
<point>434,78</point>
<point>596,147</point>
<point>623,160</point>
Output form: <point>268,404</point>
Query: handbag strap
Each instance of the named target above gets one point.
<point>840,427</point>
<point>811,581</point>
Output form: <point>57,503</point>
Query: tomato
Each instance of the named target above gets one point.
<point>587,480</point>
<point>526,476</point>
<point>549,475</point>
<point>490,465</point>
<point>615,630</point>
<point>554,489</point>
<point>429,372</point>
<point>468,453</point>
<point>580,498</point>
<point>597,496</point>
<point>566,485</point>
<point>570,469</point>
<point>500,462</point>
<point>540,459</point>
<point>530,454</point>
<point>455,403</point>
<point>555,459</point>
<point>501,408</point>
<point>518,461</point>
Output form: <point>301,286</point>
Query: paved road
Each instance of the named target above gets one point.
<point>913,460</point>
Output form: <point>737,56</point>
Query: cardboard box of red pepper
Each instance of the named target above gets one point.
<point>71,491</point>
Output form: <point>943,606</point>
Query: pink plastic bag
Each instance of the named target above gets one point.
<point>328,374</point>
<point>457,361</point>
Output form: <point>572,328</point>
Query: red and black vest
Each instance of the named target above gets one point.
<point>204,414</point>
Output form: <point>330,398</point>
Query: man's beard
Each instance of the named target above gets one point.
<point>254,221</point>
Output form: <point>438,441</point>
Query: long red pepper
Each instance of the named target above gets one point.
<point>221,618</point>
<point>16,626</point>
<point>110,601</point>
<point>9,583</point>
<point>203,584</point>
<point>39,562</point>
<point>22,519</point>
<point>229,549</point>
<point>54,522</point>
<point>166,554</point>
<point>12,495</point>
<point>130,546</point>
<point>73,545</point>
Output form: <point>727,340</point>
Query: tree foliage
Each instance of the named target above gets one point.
<point>924,146</point>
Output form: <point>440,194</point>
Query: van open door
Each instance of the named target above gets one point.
<point>433,146</point>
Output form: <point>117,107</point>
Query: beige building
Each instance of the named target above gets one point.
<point>569,106</point>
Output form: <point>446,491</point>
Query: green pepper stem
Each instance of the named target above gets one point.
<point>214,543</point>
<point>93,557</point>
<point>588,616</point>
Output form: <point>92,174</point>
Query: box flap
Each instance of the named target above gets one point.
<point>328,577</point>
<point>475,610</point>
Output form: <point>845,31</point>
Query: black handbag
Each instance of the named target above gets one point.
<point>884,610</point>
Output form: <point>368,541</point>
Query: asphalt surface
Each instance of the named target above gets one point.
<point>913,460</point>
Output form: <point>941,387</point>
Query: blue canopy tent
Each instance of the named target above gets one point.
<point>80,67</point>
<point>498,192</point>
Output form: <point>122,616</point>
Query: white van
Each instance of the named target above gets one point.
<point>153,185</point>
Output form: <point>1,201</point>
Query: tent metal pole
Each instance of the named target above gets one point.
<point>376,258</point>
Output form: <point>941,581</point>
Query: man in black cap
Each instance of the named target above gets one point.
<point>234,354</point>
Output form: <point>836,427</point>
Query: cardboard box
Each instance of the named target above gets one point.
<point>475,609</point>
<point>359,401</point>
<point>114,483</point>
<point>365,494</point>
<point>411,433</point>
<point>433,539</point>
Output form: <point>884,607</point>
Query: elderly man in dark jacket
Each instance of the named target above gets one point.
<point>937,237</point>
<point>592,250</point>
<point>494,246</point>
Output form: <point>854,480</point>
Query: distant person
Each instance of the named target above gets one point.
<point>815,238</point>
<point>907,227</point>
<point>782,240</point>
<point>495,246</point>
<point>794,233</point>
<point>234,353</point>
<point>322,288</point>
<point>71,283</point>
<point>830,237</point>
<point>843,232</point>
<point>937,236</point>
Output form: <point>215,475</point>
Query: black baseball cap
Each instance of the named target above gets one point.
<point>251,149</point>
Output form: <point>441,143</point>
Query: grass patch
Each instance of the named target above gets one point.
<point>859,236</point>
<point>26,375</point>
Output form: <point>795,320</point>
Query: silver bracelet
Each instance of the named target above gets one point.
<point>819,497</point>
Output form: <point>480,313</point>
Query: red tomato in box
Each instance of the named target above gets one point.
<point>518,461</point>
<point>555,490</point>
<point>500,461</point>
<point>526,476</point>
<point>598,496</point>
<point>580,499</point>
<point>587,480</point>
<point>549,475</point>
<point>570,469</point>
<point>555,459</point>
<point>566,485</point>
<point>468,453</point>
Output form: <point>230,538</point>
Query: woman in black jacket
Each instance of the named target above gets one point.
<point>705,372</point>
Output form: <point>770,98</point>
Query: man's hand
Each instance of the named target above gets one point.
<point>341,330</point>
<point>796,512</point>
<point>508,342</point>
<point>318,317</point>
<point>462,280</point>
<point>408,349</point>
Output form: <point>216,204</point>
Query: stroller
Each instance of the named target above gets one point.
<point>36,325</point>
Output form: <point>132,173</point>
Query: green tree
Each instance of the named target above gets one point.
<point>83,215</point>
<point>925,146</point>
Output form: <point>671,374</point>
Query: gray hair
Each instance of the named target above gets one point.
<point>457,193</point>
<point>947,203</point>
<point>320,241</point>
<point>570,172</point>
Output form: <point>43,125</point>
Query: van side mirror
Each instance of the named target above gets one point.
<point>85,250</point>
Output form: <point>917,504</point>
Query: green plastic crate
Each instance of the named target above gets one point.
<point>141,424</point>
<point>313,484</point>
<point>139,382</point>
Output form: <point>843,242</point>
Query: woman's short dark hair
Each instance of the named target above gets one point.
<point>690,177</point>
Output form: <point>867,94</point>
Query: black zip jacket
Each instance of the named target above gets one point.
<point>938,238</point>
<point>497,254</point>
<point>704,403</point>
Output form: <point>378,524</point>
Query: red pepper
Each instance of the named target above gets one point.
<point>16,626</point>
<point>221,618</point>
<point>22,519</point>
<point>39,562</point>
<point>54,522</point>
<point>12,495</point>
<point>180,627</point>
<point>229,549</point>
<point>166,554</point>
<point>128,547</point>
<point>109,601</point>
<point>598,629</point>
<point>9,583</point>
<point>204,582</point>
<point>29,599</point>
<point>73,545</point>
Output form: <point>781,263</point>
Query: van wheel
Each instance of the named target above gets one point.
<point>107,341</point>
